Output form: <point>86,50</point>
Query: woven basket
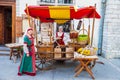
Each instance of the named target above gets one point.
<point>83,38</point>
<point>83,42</point>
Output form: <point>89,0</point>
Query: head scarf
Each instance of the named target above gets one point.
<point>26,32</point>
<point>60,27</point>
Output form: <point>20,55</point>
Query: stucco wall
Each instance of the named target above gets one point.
<point>21,5</point>
<point>111,30</point>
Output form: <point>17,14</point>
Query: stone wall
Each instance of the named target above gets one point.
<point>111,30</point>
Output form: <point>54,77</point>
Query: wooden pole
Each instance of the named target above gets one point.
<point>50,32</point>
<point>83,26</point>
<point>93,28</point>
<point>89,32</point>
<point>72,25</point>
<point>40,28</point>
<point>28,15</point>
<point>71,28</point>
<point>35,33</point>
<point>52,27</point>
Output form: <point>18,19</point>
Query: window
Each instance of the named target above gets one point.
<point>68,1</point>
<point>49,1</point>
<point>65,1</point>
<point>60,1</point>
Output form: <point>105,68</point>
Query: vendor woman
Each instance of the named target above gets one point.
<point>60,36</point>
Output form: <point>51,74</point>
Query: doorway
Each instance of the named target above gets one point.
<point>5,24</point>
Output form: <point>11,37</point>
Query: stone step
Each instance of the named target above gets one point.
<point>4,50</point>
<point>4,53</point>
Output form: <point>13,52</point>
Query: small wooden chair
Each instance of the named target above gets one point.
<point>84,65</point>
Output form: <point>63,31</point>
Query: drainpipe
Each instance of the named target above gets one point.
<point>103,9</point>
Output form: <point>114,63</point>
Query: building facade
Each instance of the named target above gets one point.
<point>56,2</point>
<point>111,29</point>
<point>107,40</point>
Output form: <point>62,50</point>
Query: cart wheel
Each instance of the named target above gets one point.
<point>44,64</point>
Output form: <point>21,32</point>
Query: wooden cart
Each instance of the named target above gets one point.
<point>57,14</point>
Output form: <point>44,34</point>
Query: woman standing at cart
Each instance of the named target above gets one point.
<point>27,65</point>
<point>60,36</point>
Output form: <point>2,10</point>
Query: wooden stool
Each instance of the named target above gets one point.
<point>84,65</point>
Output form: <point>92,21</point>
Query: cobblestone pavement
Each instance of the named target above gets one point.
<point>108,71</point>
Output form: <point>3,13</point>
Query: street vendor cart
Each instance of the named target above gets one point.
<point>61,14</point>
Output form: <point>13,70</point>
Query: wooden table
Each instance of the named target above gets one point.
<point>15,47</point>
<point>85,62</point>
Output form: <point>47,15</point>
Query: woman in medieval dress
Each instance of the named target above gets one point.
<point>60,36</point>
<point>27,65</point>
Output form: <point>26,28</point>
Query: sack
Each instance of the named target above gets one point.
<point>69,52</point>
<point>57,52</point>
<point>69,49</point>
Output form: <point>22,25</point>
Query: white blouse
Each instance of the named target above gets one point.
<point>60,33</point>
